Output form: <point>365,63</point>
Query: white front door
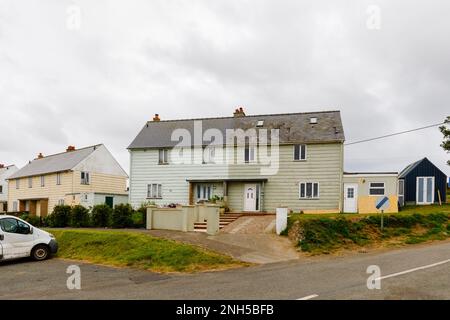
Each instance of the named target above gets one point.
<point>425,190</point>
<point>350,197</point>
<point>250,197</point>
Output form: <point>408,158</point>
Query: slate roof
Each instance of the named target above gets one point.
<point>54,163</point>
<point>294,128</point>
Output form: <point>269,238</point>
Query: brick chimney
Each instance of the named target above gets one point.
<point>2,166</point>
<point>239,112</point>
<point>40,155</point>
<point>156,117</point>
<point>70,148</point>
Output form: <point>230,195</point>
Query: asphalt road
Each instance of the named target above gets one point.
<point>412,273</point>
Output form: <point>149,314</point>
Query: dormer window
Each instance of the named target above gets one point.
<point>260,124</point>
<point>313,120</point>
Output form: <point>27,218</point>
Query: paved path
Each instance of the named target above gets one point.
<point>417,272</point>
<point>249,239</point>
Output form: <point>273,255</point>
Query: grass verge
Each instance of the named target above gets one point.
<point>137,250</point>
<point>328,234</point>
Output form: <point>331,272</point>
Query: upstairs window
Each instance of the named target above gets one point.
<point>163,156</point>
<point>299,152</point>
<point>85,179</point>
<point>154,191</point>
<point>1,189</point>
<point>309,190</point>
<point>376,189</point>
<point>42,181</point>
<point>30,182</point>
<point>249,153</point>
<point>209,154</point>
<point>17,184</point>
<point>58,179</point>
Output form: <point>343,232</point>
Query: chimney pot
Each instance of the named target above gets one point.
<point>40,155</point>
<point>70,148</point>
<point>239,112</point>
<point>2,166</point>
<point>156,117</point>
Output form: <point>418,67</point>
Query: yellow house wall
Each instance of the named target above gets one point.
<point>70,186</point>
<point>367,204</point>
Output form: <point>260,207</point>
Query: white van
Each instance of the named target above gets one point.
<point>20,239</point>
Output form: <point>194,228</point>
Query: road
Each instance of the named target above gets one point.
<point>419,272</point>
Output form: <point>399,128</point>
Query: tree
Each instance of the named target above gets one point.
<point>446,132</point>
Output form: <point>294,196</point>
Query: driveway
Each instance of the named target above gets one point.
<point>417,272</point>
<point>250,239</point>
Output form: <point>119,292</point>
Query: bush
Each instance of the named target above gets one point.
<point>60,217</point>
<point>138,218</point>
<point>33,220</point>
<point>101,216</point>
<point>122,216</point>
<point>79,217</point>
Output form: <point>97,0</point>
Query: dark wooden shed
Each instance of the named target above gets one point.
<point>422,183</point>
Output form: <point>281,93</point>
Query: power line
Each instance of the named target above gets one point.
<point>394,134</point>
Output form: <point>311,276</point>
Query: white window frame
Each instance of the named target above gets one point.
<point>17,183</point>
<point>150,192</point>
<point>15,206</point>
<point>251,153</point>
<point>425,190</point>
<point>165,156</point>
<point>60,202</point>
<point>58,179</point>
<point>30,182</point>
<point>401,195</point>
<point>305,197</point>
<point>377,188</point>
<point>300,152</point>
<point>42,181</point>
<point>87,179</point>
<point>209,154</point>
<point>204,191</point>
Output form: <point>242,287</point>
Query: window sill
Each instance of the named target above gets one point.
<point>154,198</point>
<point>301,160</point>
<point>309,198</point>
<point>163,163</point>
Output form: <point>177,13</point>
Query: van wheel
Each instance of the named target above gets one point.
<point>40,252</point>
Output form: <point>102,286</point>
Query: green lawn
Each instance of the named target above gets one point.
<point>137,250</point>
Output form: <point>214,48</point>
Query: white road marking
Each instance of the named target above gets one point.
<point>309,297</point>
<point>413,270</point>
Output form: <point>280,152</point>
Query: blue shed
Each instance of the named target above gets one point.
<point>422,183</point>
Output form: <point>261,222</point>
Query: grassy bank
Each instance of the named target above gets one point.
<point>331,233</point>
<point>137,250</point>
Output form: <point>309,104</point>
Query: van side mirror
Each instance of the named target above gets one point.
<point>31,230</point>
<point>2,237</point>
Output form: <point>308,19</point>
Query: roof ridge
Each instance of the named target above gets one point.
<point>60,153</point>
<point>247,116</point>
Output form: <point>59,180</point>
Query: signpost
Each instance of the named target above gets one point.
<point>382,204</point>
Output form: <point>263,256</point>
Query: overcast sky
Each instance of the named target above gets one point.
<point>87,72</point>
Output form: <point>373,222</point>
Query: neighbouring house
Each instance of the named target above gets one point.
<point>196,160</point>
<point>422,183</point>
<point>362,190</point>
<point>86,176</point>
<point>5,173</point>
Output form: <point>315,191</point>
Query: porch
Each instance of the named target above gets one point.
<point>36,207</point>
<point>238,195</point>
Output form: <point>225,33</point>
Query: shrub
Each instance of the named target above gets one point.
<point>33,220</point>
<point>101,216</point>
<point>138,218</point>
<point>122,216</point>
<point>79,217</point>
<point>60,217</point>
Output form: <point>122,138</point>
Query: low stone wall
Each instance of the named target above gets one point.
<point>179,219</point>
<point>183,218</point>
